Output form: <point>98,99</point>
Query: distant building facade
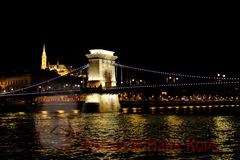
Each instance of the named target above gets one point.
<point>10,83</point>
<point>18,81</point>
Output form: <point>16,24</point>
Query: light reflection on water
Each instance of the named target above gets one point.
<point>113,135</point>
<point>224,132</point>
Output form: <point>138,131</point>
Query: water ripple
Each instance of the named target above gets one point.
<point>116,136</point>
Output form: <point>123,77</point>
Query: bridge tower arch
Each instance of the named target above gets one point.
<point>101,72</point>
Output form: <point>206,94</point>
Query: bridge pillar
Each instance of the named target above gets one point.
<point>101,72</point>
<point>96,102</point>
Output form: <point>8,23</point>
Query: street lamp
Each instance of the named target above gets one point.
<point>221,76</point>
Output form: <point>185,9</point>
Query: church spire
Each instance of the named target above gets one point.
<point>44,58</point>
<point>44,50</point>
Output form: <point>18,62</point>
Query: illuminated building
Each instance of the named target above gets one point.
<point>101,71</point>
<point>11,83</point>
<point>61,69</point>
<point>15,82</point>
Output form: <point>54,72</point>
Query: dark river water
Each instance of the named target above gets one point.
<point>118,136</point>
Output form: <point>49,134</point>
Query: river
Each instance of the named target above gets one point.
<point>76,135</point>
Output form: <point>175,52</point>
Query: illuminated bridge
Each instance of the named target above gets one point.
<point>105,76</point>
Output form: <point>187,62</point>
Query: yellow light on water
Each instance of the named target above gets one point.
<point>153,109</point>
<point>60,111</point>
<point>125,110</point>
<point>21,113</point>
<point>134,110</point>
<point>75,111</point>
<point>44,112</point>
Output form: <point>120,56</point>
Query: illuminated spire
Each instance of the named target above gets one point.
<point>44,58</point>
<point>44,50</point>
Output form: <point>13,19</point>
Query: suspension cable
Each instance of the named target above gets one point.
<point>175,74</point>
<point>47,81</point>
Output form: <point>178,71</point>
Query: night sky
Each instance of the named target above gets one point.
<point>181,39</point>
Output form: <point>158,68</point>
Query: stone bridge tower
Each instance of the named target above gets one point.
<point>101,71</point>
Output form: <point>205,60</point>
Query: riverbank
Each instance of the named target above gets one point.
<point>133,104</point>
<point>168,107</point>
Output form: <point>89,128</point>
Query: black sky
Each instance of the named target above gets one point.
<point>172,38</point>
